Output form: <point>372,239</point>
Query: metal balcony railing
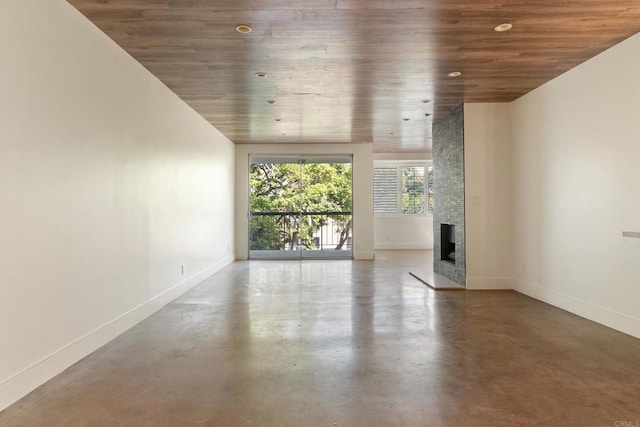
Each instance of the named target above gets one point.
<point>294,231</point>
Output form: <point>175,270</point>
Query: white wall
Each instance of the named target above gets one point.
<point>403,232</point>
<point>488,198</point>
<point>576,144</point>
<point>108,185</point>
<point>362,189</point>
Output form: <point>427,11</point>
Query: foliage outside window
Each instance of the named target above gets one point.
<point>297,194</point>
<point>405,189</point>
<point>430,189</point>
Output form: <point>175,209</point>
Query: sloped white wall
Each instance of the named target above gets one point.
<point>109,185</point>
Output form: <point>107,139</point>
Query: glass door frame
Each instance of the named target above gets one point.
<point>301,252</point>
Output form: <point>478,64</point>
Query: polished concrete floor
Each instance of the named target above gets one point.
<point>342,343</point>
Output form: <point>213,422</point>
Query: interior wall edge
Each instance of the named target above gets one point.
<point>27,380</point>
<point>620,322</point>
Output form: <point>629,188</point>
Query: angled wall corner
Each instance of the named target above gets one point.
<point>449,254</point>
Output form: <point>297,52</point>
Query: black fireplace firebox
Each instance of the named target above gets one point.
<point>448,242</point>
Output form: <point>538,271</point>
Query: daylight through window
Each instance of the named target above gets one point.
<point>404,189</point>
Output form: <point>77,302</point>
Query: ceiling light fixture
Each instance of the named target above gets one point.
<point>503,27</point>
<point>271,101</point>
<point>455,74</point>
<point>277,120</point>
<point>244,28</point>
<point>406,119</point>
<point>261,74</point>
<point>426,101</point>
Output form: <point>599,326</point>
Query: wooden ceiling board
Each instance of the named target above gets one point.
<point>351,71</point>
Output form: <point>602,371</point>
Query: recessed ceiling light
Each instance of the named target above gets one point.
<point>426,101</point>
<point>503,27</point>
<point>271,101</point>
<point>261,74</point>
<point>455,74</point>
<point>243,28</point>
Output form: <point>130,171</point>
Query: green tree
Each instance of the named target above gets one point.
<point>290,189</point>
<point>413,190</point>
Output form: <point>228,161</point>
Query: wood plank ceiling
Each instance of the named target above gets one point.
<point>343,71</point>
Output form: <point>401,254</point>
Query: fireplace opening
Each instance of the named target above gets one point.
<point>448,243</point>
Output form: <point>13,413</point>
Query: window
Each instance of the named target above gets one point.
<point>402,188</point>
<point>385,190</point>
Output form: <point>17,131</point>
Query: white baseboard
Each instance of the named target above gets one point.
<point>363,255</point>
<point>623,323</point>
<point>490,283</point>
<point>403,246</point>
<point>30,378</point>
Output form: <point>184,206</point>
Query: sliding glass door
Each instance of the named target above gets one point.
<point>300,207</point>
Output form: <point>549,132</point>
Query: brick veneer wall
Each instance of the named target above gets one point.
<point>448,187</point>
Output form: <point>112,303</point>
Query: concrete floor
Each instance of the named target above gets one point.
<point>342,343</point>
